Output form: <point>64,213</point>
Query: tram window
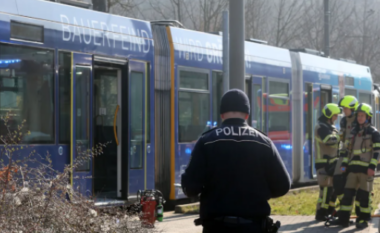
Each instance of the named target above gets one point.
<point>193,105</point>
<point>278,108</point>
<point>137,108</point>
<point>82,116</point>
<point>27,91</point>
<point>193,80</point>
<point>350,92</point>
<point>147,136</point>
<point>25,31</point>
<point>64,96</point>
<point>194,112</point>
<point>217,93</point>
<point>365,98</point>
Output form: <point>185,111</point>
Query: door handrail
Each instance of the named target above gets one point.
<point>114,124</point>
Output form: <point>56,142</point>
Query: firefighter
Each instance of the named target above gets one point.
<point>326,144</point>
<point>361,152</point>
<point>349,104</point>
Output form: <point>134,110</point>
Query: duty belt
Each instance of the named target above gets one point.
<point>234,220</point>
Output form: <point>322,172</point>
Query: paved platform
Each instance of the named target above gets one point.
<point>290,224</point>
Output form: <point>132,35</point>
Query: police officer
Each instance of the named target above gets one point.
<point>360,160</point>
<point>326,144</point>
<point>349,104</point>
<point>236,169</point>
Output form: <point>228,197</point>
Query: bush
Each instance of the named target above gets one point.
<point>36,198</point>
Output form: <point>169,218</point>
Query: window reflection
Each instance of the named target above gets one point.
<point>278,109</point>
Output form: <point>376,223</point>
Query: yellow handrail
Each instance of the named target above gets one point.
<point>114,124</point>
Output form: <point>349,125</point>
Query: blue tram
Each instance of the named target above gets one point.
<point>80,77</point>
<point>287,90</point>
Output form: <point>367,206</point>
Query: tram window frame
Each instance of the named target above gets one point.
<point>48,78</point>
<point>266,123</point>
<point>193,91</point>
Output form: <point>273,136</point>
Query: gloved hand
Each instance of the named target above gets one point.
<point>370,172</point>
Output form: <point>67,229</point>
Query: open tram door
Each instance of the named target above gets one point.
<point>108,111</point>
<point>313,113</point>
<point>81,130</point>
<point>318,95</point>
<point>140,153</point>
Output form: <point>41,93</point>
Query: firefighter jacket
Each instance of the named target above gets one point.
<point>326,144</point>
<point>346,125</point>
<point>236,169</point>
<point>361,149</point>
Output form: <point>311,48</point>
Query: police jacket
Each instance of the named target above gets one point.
<point>346,125</point>
<point>362,149</point>
<point>237,169</point>
<point>326,144</point>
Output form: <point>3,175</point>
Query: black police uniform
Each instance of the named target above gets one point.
<point>237,169</point>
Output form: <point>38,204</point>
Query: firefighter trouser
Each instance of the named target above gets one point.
<point>361,185</point>
<point>339,180</point>
<point>325,204</point>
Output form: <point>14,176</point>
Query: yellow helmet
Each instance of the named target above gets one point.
<point>366,108</point>
<point>331,109</point>
<point>349,101</point>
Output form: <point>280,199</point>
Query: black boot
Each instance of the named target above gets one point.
<point>343,219</point>
<point>331,211</point>
<point>361,224</point>
<point>321,215</point>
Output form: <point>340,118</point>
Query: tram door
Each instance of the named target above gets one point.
<point>258,103</point>
<point>81,122</point>
<point>140,153</point>
<point>325,95</point>
<point>107,125</point>
<point>314,111</point>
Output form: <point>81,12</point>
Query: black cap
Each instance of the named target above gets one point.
<point>234,100</point>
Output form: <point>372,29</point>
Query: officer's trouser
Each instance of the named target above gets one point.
<point>325,204</point>
<point>361,185</point>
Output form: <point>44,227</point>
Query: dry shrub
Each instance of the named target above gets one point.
<point>36,198</point>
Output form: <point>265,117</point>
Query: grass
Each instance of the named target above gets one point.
<point>304,202</point>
